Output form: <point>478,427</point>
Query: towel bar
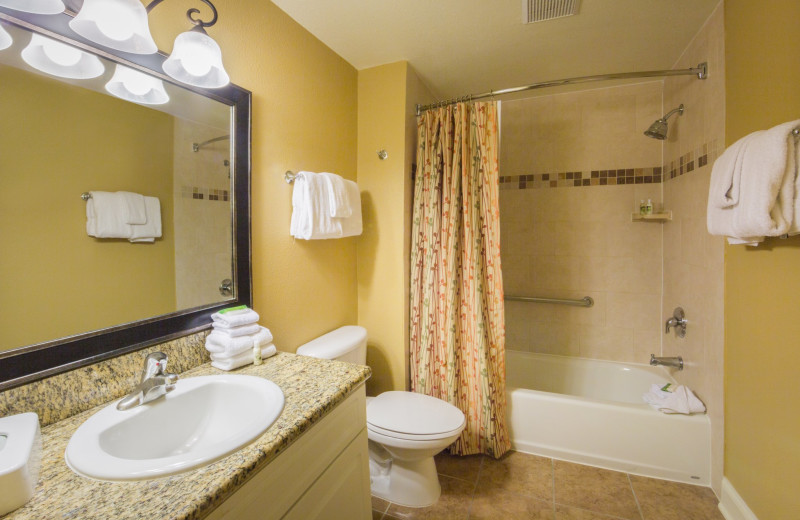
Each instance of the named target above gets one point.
<point>86,195</point>
<point>289,176</point>
<point>586,301</point>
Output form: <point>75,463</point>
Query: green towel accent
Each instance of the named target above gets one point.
<point>665,388</point>
<point>229,309</point>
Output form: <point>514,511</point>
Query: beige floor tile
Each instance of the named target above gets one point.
<point>495,504</point>
<point>465,468</point>
<point>595,489</point>
<point>452,505</point>
<point>518,473</point>
<point>573,513</point>
<point>664,500</point>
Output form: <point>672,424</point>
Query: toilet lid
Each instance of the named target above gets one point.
<point>410,413</point>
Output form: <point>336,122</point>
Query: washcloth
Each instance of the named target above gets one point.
<point>134,207</point>
<point>235,332</point>
<point>234,317</point>
<point>352,225</point>
<point>678,399</point>
<point>151,228</point>
<point>311,217</point>
<point>245,358</point>
<point>223,345</point>
<point>338,200</point>
<point>106,215</point>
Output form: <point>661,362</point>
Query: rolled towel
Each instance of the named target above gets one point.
<point>235,317</point>
<point>235,332</point>
<point>678,400</point>
<point>240,360</point>
<point>223,345</point>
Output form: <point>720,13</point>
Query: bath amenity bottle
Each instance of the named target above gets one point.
<point>648,209</point>
<point>642,207</point>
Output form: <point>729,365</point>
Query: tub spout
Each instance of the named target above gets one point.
<point>674,362</point>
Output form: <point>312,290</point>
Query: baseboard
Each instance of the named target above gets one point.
<point>732,506</point>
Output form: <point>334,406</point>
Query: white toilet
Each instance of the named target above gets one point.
<point>405,429</point>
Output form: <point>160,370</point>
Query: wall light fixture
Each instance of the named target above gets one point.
<point>35,6</point>
<point>60,59</point>
<point>138,87</point>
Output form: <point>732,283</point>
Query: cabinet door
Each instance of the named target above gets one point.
<point>342,491</point>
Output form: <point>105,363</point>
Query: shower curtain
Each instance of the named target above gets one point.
<point>457,321</point>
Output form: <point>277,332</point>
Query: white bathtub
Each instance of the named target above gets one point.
<point>591,412</point>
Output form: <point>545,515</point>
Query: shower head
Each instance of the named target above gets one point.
<point>658,130</point>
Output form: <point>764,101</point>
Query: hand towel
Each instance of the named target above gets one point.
<point>245,358</point>
<point>106,215</point>
<point>352,226</point>
<point>726,174</point>
<point>151,229</point>
<point>680,400</point>
<point>338,200</point>
<point>221,344</point>
<point>235,332</point>
<point>311,217</point>
<point>135,212</point>
<point>235,318</point>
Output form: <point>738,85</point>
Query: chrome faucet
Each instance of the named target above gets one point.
<point>674,362</point>
<point>679,321</point>
<point>155,382</point>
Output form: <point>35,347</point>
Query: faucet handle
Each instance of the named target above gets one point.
<point>154,364</point>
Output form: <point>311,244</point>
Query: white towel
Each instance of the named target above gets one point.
<point>352,225</point>
<point>151,229</point>
<point>235,318</point>
<point>106,215</point>
<point>678,400</point>
<point>338,200</point>
<point>766,162</point>
<point>223,345</point>
<point>245,358</point>
<point>235,332</point>
<point>134,207</point>
<point>311,217</point>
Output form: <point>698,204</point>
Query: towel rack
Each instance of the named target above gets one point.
<point>586,301</point>
<point>86,195</point>
<point>289,176</point>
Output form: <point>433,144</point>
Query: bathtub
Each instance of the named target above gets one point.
<point>591,412</point>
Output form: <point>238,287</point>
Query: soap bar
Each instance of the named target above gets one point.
<point>20,459</point>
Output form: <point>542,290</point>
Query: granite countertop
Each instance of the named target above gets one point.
<point>312,387</point>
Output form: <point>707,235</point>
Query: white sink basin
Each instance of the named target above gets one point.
<point>202,420</point>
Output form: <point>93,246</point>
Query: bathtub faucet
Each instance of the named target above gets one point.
<point>678,320</point>
<point>674,362</point>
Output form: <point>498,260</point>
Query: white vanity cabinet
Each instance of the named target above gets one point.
<point>323,475</point>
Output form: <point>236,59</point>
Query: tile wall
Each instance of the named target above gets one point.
<point>693,259</point>
<point>574,167</point>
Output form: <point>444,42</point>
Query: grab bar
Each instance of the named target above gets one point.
<point>586,301</point>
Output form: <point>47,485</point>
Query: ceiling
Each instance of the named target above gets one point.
<point>459,47</point>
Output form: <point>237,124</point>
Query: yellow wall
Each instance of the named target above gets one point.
<point>50,266</point>
<point>762,418</point>
<point>304,118</point>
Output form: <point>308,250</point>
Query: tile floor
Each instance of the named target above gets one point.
<point>522,486</point>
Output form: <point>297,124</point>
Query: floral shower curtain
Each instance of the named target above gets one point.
<point>457,317</point>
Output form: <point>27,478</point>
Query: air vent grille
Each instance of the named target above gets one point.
<point>541,10</point>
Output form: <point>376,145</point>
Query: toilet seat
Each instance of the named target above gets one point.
<point>411,416</point>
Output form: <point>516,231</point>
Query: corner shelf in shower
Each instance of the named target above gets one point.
<point>664,216</point>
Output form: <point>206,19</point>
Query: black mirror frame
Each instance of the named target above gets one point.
<point>27,364</point>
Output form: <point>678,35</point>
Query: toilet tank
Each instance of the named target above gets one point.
<point>348,343</point>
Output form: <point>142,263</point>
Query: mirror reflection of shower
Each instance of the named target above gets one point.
<point>196,147</point>
<point>658,130</point>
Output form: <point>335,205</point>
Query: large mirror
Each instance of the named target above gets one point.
<point>77,123</point>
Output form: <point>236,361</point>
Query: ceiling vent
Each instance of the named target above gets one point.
<point>541,10</point>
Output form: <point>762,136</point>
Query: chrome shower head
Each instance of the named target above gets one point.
<point>658,130</point>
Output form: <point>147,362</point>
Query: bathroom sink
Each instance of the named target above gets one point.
<point>204,419</point>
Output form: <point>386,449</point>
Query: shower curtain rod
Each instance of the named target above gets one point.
<point>196,146</point>
<point>701,71</point>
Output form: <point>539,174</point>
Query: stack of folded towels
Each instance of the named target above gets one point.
<point>123,214</point>
<point>673,399</point>
<point>324,205</point>
<point>236,335</point>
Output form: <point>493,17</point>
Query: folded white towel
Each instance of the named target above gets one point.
<point>134,207</point>
<point>151,229</point>
<point>352,226</point>
<point>106,215</point>
<point>338,200</point>
<point>245,358</point>
<point>311,217</point>
<point>726,174</point>
<point>235,317</point>
<point>677,400</point>
<point>235,332</point>
<point>224,345</point>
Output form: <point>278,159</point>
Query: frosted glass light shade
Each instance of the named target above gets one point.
<point>118,24</point>
<point>35,6</point>
<point>196,60</point>
<point>5,39</point>
<point>135,86</point>
<point>59,59</point>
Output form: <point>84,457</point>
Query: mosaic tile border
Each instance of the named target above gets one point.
<point>577,179</point>
<point>704,154</point>
<point>200,193</point>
